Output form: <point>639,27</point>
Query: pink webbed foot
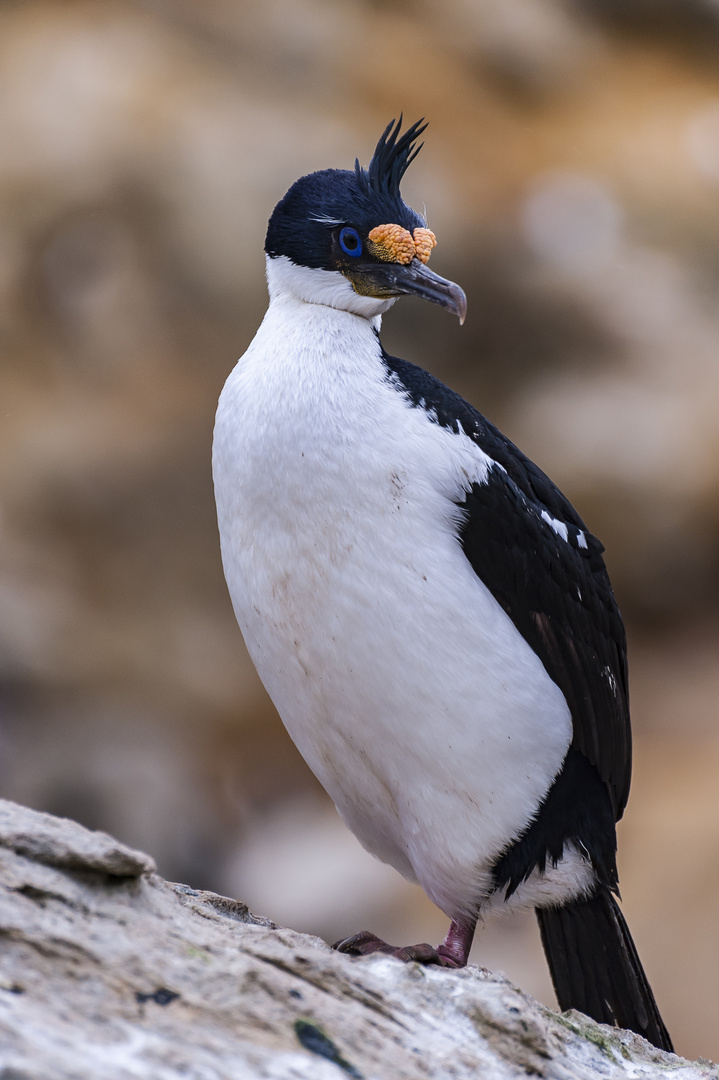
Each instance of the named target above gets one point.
<point>452,953</point>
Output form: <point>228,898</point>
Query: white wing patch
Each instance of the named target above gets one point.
<point>611,679</point>
<point>558,526</point>
<point>561,530</point>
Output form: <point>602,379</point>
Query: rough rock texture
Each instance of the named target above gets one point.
<point>59,842</point>
<point>108,971</point>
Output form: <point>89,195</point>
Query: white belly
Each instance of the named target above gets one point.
<point>409,692</point>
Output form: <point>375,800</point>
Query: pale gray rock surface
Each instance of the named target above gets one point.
<point>60,842</point>
<point>108,972</point>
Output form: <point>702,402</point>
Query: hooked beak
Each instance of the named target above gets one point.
<point>414,278</point>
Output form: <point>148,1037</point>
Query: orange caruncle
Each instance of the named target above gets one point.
<point>424,241</point>
<point>392,243</point>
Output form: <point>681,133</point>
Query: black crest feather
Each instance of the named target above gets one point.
<point>392,157</point>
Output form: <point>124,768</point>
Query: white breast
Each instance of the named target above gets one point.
<point>411,695</point>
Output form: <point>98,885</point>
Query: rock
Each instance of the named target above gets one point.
<point>110,972</point>
<point>60,842</point>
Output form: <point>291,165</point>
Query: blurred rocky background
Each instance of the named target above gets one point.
<point>571,173</point>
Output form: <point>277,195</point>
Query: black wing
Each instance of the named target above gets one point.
<point>557,593</point>
<point>531,549</point>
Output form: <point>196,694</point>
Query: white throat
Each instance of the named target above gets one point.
<point>316,286</point>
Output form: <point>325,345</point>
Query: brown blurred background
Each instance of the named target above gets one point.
<point>571,173</point>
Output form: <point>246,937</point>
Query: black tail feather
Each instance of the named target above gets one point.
<point>595,967</point>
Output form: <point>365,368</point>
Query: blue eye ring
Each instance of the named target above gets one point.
<point>350,242</point>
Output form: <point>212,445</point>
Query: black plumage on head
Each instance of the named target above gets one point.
<point>391,159</point>
<point>304,222</point>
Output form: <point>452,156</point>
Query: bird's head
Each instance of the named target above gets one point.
<point>346,239</point>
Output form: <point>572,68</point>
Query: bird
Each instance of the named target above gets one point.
<point>430,616</point>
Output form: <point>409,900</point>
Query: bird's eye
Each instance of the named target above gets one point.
<point>350,242</point>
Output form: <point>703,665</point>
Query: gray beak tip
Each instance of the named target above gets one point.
<point>459,303</point>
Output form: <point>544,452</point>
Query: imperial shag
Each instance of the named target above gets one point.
<point>429,614</point>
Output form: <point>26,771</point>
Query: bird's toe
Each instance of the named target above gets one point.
<point>366,943</point>
<point>362,944</point>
